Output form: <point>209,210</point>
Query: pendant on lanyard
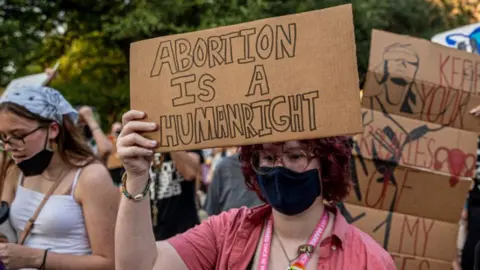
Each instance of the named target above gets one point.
<point>295,266</point>
<point>305,250</point>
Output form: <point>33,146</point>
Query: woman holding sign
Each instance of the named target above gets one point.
<point>63,204</point>
<point>295,229</point>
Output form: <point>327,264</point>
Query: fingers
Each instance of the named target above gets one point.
<point>135,139</point>
<point>132,115</point>
<point>130,143</point>
<point>134,151</point>
<point>476,111</point>
<point>137,127</point>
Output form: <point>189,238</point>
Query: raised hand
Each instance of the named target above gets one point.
<point>134,150</point>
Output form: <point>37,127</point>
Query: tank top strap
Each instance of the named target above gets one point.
<point>20,179</point>
<point>75,180</point>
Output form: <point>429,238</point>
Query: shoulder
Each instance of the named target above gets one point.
<point>229,219</point>
<point>94,179</point>
<point>94,172</point>
<point>217,225</point>
<point>212,232</point>
<point>228,162</point>
<point>369,250</point>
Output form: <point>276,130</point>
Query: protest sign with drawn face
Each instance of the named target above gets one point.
<point>399,67</point>
<point>415,78</point>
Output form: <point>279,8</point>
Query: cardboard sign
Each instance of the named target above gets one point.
<point>465,38</point>
<point>417,79</point>
<point>380,185</point>
<point>284,78</point>
<point>407,262</point>
<point>414,143</point>
<point>404,234</point>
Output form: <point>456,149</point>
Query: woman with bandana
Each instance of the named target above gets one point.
<point>75,226</point>
<point>298,227</point>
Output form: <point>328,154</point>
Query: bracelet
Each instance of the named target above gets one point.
<point>42,267</point>
<point>137,197</point>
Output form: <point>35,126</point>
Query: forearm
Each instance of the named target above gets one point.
<point>134,240</point>
<point>103,144</point>
<point>186,165</point>
<point>56,261</point>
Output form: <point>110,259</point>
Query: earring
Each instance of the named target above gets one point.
<point>54,146</point>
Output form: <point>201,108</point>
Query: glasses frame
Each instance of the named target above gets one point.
<point>277,157</point>
<point>19,138</point>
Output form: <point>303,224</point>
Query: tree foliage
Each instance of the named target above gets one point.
<point>91,39</point>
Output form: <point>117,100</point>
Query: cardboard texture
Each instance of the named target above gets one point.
<point>406,262</point>
<point>415,143</point>
<point>405,234</point>
<point>283,78</point>
<point>407,190</point>
<point>417,79</point>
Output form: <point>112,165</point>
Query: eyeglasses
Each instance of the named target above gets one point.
<point>16,141</point>
<point>297,160</point>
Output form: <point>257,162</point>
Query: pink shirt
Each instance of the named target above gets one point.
<point>229,241</point>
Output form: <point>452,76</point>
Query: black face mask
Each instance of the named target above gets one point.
<point>36,164</point>
<point>290,192</point>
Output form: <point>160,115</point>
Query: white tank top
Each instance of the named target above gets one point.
<point>60,225</point>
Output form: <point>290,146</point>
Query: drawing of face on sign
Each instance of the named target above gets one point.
<point>396,76</point>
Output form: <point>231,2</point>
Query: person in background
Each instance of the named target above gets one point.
<point>173,191</point>
<point>300,181</point>
<point>75,228</point>
<point>116,129</point>
<point>227,189</point>
<point>113,162</point>
<point>469,224</point>
<point>216,155</point>
<point>96,139</point>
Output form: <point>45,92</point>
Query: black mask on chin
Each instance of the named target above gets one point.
<point>36,164</point>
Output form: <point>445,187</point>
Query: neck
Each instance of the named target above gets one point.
<point>301,226</point>
<point>55,168</point>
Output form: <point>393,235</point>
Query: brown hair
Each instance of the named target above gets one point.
<point>72,147</point>
<point>334,153</point>
<point>5,163</point>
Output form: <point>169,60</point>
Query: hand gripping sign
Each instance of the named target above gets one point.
<point>285,78</point>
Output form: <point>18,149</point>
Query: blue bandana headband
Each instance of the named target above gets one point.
<point>44,101</point>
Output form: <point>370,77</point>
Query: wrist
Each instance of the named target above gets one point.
<point>136,184</point>
<point>35,258</point>
<point>91,122</point>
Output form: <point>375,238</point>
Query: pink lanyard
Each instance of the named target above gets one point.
<point>302,261</point>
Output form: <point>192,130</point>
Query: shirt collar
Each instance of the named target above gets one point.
<point>340,226</point>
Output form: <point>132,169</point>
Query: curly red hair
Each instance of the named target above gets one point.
<point>334,154</point>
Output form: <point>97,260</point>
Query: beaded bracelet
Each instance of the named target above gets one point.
<point>137,197</point>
